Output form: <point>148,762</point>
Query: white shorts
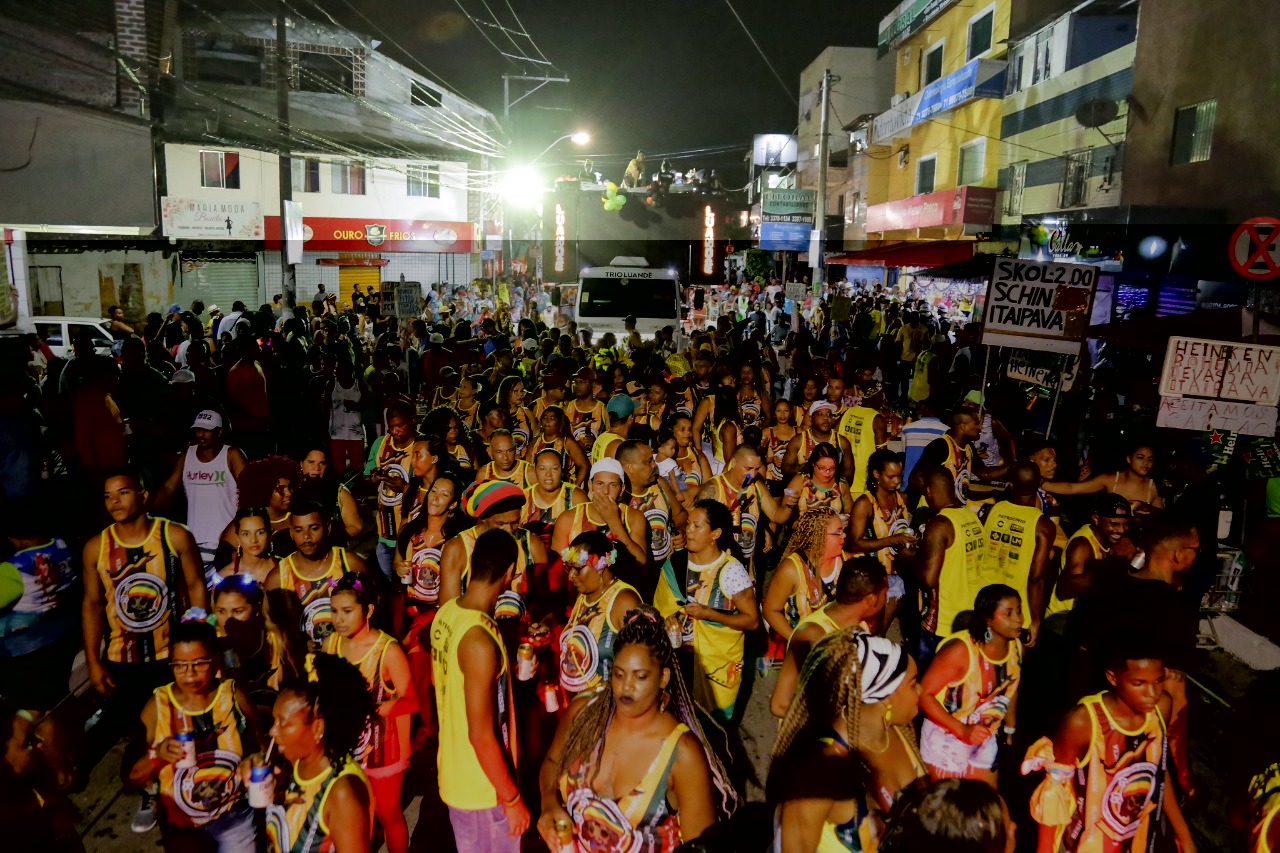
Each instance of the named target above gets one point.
<point>941,749</point>
<point>897,587</point>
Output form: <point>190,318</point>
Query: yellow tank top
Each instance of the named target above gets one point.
<point>602,444</point>
<point>745,507</point>
<point>524,558</point>
<point>463,784</point>
<point>143,586</point>
<point>1010,532</point>
<point>957,584</point>
<point>823,620</point>
<point>298,826</point>
<point>1264,795</point>
<point>959,462</point>
<point>584,521</point>
<point>313,592</point>
<point>586,644</point>
<point>1057,605</point>
<point>858,425</point>
<point>520,476</point>
<point>194,796</point>
<point>384,739</point>
<point>983,694</point>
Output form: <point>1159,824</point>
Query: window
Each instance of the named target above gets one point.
<point>348,178</point>
<point>1193,132</point>
<point>324,72</point>
<point>306,174</point>
<point>1041,64</point>
<point>1013,192</point>
<point>931,67</point>
<point>421,95</point>
<point>1075,182</point>
<point>925,168</point>
<point>980,30</point>
<point>215,60</point>
<point>424,180</point>
<point>220,170</point>
<point>973,157</point>
<point>1017,56</point>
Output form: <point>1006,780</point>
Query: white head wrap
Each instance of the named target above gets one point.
<point>883,664</point>
<point>607,466</point>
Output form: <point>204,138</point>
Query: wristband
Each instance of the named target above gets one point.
<point>1009,730</point>
<point>511,802</point>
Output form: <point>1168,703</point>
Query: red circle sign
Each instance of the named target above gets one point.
<point>1255,249</point>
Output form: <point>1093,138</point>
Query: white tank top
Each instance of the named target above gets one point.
<point>211,499</point>
<point>345,425</point>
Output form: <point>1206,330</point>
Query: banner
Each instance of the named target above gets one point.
<point>1246,419</point>
<point>1221,370</point>
<point>1039,306</point>
<point>408,299</point>
<point>1043,369</point>
<point>209,219</point>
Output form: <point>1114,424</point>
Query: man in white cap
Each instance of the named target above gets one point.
<point>821,429</point>
<point>604,512</point>
<point>208,473</point>
<point>741,488</point>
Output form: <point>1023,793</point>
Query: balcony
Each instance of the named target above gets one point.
<point>977,78</point>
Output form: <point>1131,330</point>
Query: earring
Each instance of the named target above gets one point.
<point>666,698</point>
<point>987,635</point>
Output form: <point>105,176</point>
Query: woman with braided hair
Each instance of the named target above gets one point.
<point>806,578</point>
<point>630,769</point>
<point>269,482</point>
<point>323,799</point>
<point>845,750</point>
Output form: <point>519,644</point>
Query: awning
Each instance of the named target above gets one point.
<point>930,253</point>
<point>980,266</point>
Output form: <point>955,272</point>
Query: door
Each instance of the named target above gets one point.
<point>46,291</point>
<point>362,277</point>
<point>219,281</point>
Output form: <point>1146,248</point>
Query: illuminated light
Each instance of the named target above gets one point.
<point>1153,246</point>
<point>559,259</point>
<point>580,138</point>
<point>709,241</point>
<point>522,187</point>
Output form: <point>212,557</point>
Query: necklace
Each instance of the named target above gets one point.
<point>603,590</point>
<point>275,521</point>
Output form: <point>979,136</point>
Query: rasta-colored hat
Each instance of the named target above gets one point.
<point>482,500</point>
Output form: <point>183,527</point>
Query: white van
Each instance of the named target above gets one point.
<point>628,287</point>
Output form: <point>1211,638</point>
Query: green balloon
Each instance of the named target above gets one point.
<point>621,199</point>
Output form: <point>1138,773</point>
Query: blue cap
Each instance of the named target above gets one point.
<point>621,406</point>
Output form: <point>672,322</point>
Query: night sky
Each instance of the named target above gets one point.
<point>662,75</point>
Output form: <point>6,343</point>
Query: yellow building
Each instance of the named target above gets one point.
<point>943,129</point>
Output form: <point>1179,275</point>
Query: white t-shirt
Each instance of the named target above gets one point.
<point>734,579</point>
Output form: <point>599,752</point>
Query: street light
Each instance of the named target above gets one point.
<point>522,187</point>
<point>580,137</point>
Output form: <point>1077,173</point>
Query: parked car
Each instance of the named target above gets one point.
<point>59,332</point>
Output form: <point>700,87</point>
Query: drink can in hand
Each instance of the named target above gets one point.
<point>262,785</point>
<point>525,662</point>
<point>187,740</point>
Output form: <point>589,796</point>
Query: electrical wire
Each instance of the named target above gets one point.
<point>763,56</point>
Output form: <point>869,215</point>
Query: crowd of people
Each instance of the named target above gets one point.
<point>303,557</point>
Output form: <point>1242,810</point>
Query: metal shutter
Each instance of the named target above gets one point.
<point>219,282</point>
<point>349,277</point>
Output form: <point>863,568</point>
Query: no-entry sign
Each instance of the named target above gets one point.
<point>1255,249</point>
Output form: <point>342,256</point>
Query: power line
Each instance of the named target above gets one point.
<point>763,56</point>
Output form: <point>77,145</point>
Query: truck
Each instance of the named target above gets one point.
<point>628,287</point>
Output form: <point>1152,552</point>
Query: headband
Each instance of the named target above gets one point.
<point>606,466</point>
<point>819,405</point>
<point>481,499</point>
<point>884,666</point>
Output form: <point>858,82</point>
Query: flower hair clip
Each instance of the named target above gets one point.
<point>579,557</point>
<point>355,584</point>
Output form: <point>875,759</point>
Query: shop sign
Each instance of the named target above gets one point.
<point>789,205</point>
<point>959,206</point>
<point>209,219</point>
<point>785,236</point>
<point>1039,306</point>
<point>1219,415</point>
<point>1221,370</point>
<point>907,19</point>
<point>323,233</point>
<point>977,78</point>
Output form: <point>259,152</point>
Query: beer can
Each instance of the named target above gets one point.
<point>564,834</point>
<point>551,698</point>
<point>525,662</point>
<point>262,786</point>
<point>187,740</point>
<point>675,633</point>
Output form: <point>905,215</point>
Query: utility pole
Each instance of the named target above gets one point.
<point>284,76</point>
<point>820,209</point>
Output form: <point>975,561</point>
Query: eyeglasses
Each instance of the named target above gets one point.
<point>201,665</point>
<point>577,570</point>
<point>282,488</point>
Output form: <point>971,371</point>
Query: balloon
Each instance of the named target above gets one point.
<point>621,199</point>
